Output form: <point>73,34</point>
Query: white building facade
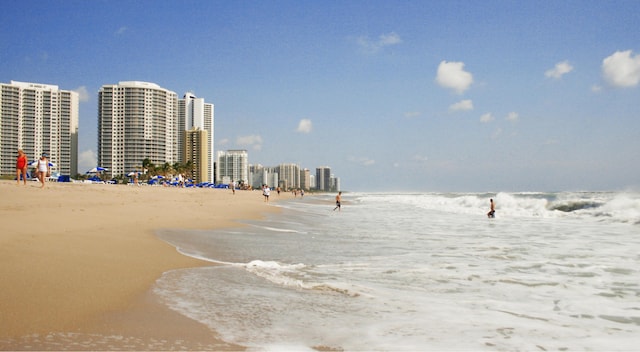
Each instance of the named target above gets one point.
<point>38,118</point>
<point>260,175</point>
<point>136,121</point>
<point>194,113</point>
<point>232,165</point>
<point>289,176</point>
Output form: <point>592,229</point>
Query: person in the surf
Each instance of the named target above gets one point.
<point>492,212</point>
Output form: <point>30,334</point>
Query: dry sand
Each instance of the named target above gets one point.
<point>77,262</point>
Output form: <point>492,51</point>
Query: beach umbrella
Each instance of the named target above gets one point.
<point>157,177</point>
<point>97,169</point>
<point>133,173</point>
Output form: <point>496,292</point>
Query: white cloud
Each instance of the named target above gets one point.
<point>513,116</point>
<point>561,69</point>
<point>373,47</point>
<point>253,141</point>
<point>463,105</point>
<point>452,75</point>
<point>596,88</point>
<point>87,160</point>
<point>621,69</point>
<point>363,161</point>
<point>412,114</point>
<point>486,118</point>
<point>83,94</point>
<point>304,126</point>
<point>121,30</point>
<point>223,141</point>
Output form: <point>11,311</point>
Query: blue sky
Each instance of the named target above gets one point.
<point>392,95</point>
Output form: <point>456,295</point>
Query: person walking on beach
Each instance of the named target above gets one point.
<point>338,199</point>
<point>21,167</point>
<point>265,192</point>
<point>43,169</point>
<point>232,185</point>
<point>492,211</point>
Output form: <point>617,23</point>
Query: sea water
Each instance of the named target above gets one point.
<point>421,271</point>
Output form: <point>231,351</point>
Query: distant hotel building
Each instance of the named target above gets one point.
<point>323,178</point>
<point>260,175</point>
<point>289,176</point>
<point>38,118</point>
<point>194,113</point>
<point>195,150</point>
<point>305,179</point>
<point>232,165</point>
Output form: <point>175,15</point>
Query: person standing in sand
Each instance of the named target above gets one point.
<point>338,200</point>
<point>21,167</point>
<point>265,192</point>
<point>492,211</point>
<point>43,169</point>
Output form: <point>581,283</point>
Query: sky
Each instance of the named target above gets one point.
<point>443,96</point>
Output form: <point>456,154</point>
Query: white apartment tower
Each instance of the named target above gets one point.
<point>194,113</point>
<point>136,121</point>
<point>289,176</point>
<point>38,118</point>
<point>232,165</point>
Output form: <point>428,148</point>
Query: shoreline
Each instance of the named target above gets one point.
<point>78,262</point>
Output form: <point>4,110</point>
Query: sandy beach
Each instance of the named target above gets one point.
<point>77,262</point>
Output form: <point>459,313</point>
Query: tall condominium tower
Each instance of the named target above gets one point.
<point>260,175</point>
<point>289,176</point>
<point>38,118</point>
<point>136,121</point>
<point>305,179</point>
<point>195,151</point>
<point>323,178</point>
<point>232,165</point>
<point>194,113</point>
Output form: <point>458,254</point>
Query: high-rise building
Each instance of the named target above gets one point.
<point>193,113</point>
<point>289,176</point>
<point>195,152</point>
<point>305,179</point>
<point>136,121</point>
<point>38,118</point>
<point>335,184</point>
<point>260,175</point>
<point>323,178</point>
<point>232,165</point>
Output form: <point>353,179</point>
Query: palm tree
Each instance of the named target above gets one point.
<point>166,168</point>
<point>149,166</point>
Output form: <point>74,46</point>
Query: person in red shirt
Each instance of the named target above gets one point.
<point>21,167</point>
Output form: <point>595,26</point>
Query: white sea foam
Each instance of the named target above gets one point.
<point>554,271</point>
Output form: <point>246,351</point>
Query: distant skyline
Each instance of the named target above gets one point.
<point>392,95</point>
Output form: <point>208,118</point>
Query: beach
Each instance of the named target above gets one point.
<point>77,262</point>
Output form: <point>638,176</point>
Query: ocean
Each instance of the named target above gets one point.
<point>421,271</point>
